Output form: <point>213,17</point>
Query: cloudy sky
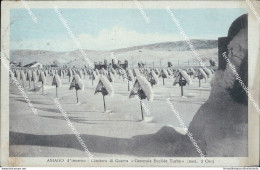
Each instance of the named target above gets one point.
<point>107,29</point>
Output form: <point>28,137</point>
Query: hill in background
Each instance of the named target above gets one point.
<point>152,54</point>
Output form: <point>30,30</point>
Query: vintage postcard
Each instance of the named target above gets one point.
<point>130,83</point>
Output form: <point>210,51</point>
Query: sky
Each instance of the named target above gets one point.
<point>108,29</point>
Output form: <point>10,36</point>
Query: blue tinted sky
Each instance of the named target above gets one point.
<point>103,29</point>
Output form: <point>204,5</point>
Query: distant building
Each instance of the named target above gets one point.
<point>20,64</point>
<point>55,64</point>
<point>13,64</point>
<point>34,64</point>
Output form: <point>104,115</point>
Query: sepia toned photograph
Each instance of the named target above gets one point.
<point>128,84</point>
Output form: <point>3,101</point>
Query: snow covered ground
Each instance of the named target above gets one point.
<point>117,132</point>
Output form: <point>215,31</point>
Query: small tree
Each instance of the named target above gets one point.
<point>42,79</point>
<point>153,78</point>
<point>157,71</point>
<point>212,71</point>
<point>63,73</point>
<point>77,84</point>
<point>80,74</point>
<point>142,88</point>
<point>130,77</point>
<point>164,74</point>
<point>34,79</point>
<point>84,73</point>
<point>51,72</point>
<point>97,73</point>
<point>17,74</point>
<point>113,71</point>
<point>136,72</point>
<point>29,77</point>
<point>46,73</point>
<point>176,73</point>
<point>200,74</point>
<point>183,79</point>
<point>110,77</point>
<point>105,88</point>
<point>207,71</point>
<point>104,72</point>
<point>23,77</point>
<point>69,74</point>
<point>191,71</point>
<point>56,82</point>
<point>169,72</point>
<point>60,73</point>
<point>93,76</point>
